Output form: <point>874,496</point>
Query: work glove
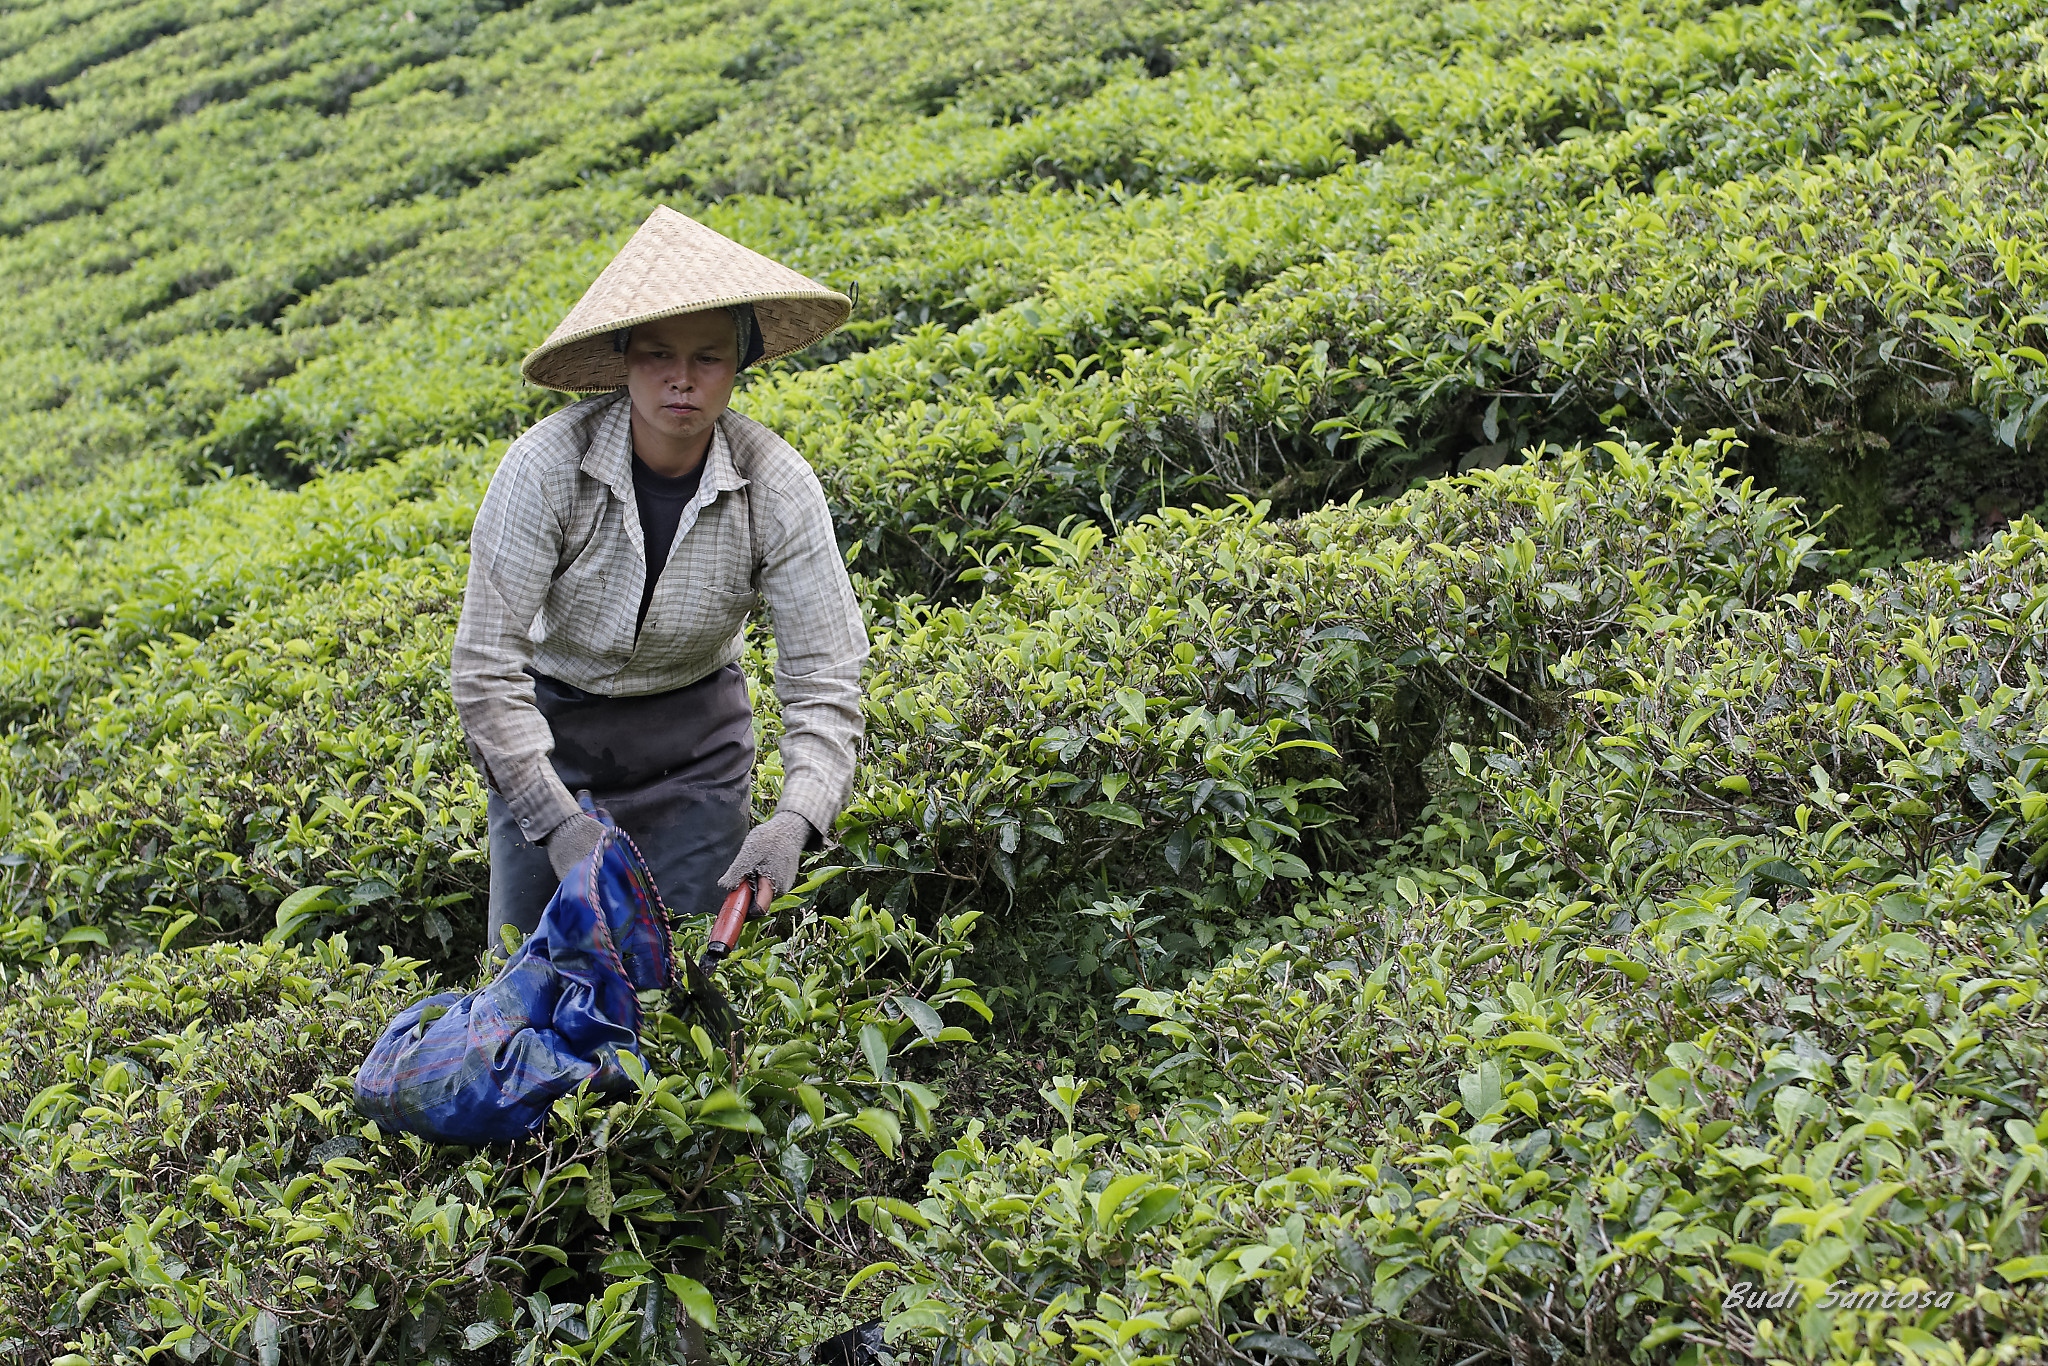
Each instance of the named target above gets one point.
<point>771,850</point>
<point>571,842</point>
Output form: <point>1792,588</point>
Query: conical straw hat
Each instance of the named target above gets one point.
<point>675,264</point>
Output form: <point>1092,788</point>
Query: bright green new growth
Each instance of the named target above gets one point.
<point>1516,919</point>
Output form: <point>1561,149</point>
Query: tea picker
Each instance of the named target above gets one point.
<point>617,555</point>
<point>621,548</point>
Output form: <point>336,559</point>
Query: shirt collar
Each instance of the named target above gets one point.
<point>610,457</point>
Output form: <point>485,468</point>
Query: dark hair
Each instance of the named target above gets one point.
<point>749,328</point>
<point>746,327</point>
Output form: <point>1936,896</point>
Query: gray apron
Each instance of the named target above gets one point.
<point>675,769</point>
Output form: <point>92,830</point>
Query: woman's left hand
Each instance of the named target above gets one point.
<point>771,849</point>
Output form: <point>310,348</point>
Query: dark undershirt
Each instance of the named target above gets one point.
<point>661,501</point>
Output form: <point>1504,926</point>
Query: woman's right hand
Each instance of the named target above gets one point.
<point>570,842</point>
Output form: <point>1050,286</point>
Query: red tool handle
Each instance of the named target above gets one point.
<point>754,893</point>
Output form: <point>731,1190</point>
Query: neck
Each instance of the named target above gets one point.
<point>669,456</point>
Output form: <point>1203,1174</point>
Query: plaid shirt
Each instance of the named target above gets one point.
<point>556,565</point>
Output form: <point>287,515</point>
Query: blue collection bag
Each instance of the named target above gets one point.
<point>487,1066</point>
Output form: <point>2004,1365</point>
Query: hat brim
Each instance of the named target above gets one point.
<point>583,362</point>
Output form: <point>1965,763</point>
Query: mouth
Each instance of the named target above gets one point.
<point>682,409</point>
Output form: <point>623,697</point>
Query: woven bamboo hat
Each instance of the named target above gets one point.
<point>673,265</point>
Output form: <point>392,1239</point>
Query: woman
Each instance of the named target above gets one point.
<point>617,553</point>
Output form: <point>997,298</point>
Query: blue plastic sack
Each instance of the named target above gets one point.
<point>489,1065</point>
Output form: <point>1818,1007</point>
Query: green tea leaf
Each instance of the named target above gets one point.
<point>694,1298</point>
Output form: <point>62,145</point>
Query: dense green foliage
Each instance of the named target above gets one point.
<point>1387,831</point>
<point>165,1150</point>
<point>1738,972</point>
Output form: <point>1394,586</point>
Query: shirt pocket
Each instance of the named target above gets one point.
<point>719,610</point>
<point>704,593</point>
<point>714,564</point>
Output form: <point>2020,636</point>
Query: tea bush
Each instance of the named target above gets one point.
<point>183,1170</point>
<point>1747,992</point>
<point>1566,1139</point>
<point>1177,709</point>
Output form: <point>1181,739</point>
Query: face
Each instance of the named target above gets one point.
<point>680,372</point>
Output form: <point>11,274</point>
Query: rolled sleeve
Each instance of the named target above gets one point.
<point>821,647</point>
<point>512,549</point>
